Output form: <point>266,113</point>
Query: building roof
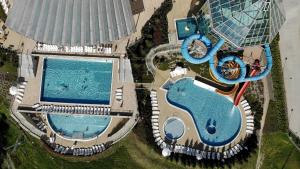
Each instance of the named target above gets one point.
<point>246,22</point>
<point>72,22</point>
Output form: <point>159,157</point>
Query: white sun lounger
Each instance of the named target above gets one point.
<point>245,104</point>
<point>154,120</point>
<point>248,112</point>
<point>236,149</point>
<point>103,147</point>
<point>154,105</point>
<point>250,124</point>
<point>155,127</point>
<point>225,154</point>
<point>22,87</point>
<point>119,90</point>
<point>156,135</point>
<point>154,116</point>
<point>157,139</point>
<point>247,108</point>
<point>153,92</point>
<point>239,146</point>
<point>155,112</point>
<point>249,117</point>
<point>231,152</point>
<point>163,145</point>
<point>159,142</point>
<point>119,97</point>
<point>155,108</point>
<point>19,97</point>
<point>250,121</point>
<point>249,131</point>
<point>36,105</point>
<point>154,124</point>
<point>153,95</point>
<point>154,99</point>
<point>119,94</point>
<point>155,131</point>
<point>250,128</point>
<point>154,102</point>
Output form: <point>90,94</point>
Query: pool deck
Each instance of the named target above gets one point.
<point>190,136</point>
<point>129,104</point>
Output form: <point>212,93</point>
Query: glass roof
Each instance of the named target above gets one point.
<point>246,22</point>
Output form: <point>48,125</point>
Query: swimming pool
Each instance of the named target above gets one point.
<point>174,128</point>
<point>217,120</point>
<point>76,81</point>
<point>186,27</point>
<point>78,126</point>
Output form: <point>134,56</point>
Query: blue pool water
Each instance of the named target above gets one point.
<point>182,33</point>
<point>78,126</point>
<point>218,122</point>
<point>74,81</point>
<point>174,128</point>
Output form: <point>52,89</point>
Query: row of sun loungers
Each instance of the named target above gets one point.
<point>104,48</point>
<point>93,110</point>
<point>38,122</point>
<point>41,125</point>
<point>199,154</point>
<point>20,92</point>
<point>119,94</point>
<point>79,151</point>
<point>249,117</point>
<point>154,102</point>
<point>89,151</point>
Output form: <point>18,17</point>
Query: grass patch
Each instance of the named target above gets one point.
<point>279,152</point>
<point>276,119</point>
<point>3,16</point>
<point>277,149</point>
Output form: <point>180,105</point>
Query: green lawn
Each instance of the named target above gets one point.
<point>279,152</point>
<point>2,14</point>
<point>132,152</point>
<point>8,67</point>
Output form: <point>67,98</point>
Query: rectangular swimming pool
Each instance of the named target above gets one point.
<point>186,27</point>
<point>76,81</point>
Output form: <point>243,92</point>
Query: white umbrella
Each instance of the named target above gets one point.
<point>13,90</point>
<point>198,156</point>
<point>166,152</point>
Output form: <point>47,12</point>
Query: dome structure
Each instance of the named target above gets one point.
<point>71,22</point>
<point>246,22</point>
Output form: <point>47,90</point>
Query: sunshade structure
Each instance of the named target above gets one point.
<point>72,22</point>
<point>246,22</point>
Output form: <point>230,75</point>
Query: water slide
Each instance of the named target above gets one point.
<point>242,77</point>
<point>209,56</point>
<point>211,51</point>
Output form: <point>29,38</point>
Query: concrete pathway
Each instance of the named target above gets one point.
<point>290,55</point>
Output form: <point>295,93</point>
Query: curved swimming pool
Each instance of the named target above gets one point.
<point>217,120</point>
<point>78,126</point>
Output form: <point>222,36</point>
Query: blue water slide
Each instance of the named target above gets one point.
<point>268,68</point>
<point>220,77</point>
<point>211,51</point>
<point>242,77</point>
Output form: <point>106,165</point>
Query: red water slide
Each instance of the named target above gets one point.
<point>244,87</point>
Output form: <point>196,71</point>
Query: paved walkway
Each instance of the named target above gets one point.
<point>289,46</point>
